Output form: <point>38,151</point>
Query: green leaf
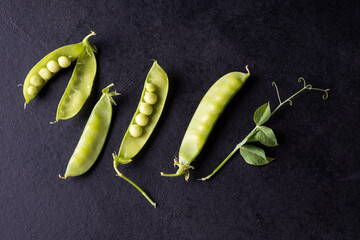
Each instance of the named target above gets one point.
<point>262,114</point>
<point>266,136</point>
<point>254,155</point>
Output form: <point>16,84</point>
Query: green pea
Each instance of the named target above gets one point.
<point>63,56</point>
<point>150,87</point>
<point>45,73</point>
<point>93,137</point>
<point>132,141</point>
<point>64,62</point>
<point>36,80</point>
<point>32,90</point>
<point>205,117</point>
<point>145,108</point>
<point>53,66</point>
<point>150,98</point>
<point>141,119</point>
<point>135,130</point>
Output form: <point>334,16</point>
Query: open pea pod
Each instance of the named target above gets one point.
<point>143,123</point>
<point>47,67</point>
<point>80,85</point>
<point>134,141</point>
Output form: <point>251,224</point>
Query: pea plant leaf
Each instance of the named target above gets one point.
<point>265,136</point>
<point>262,114</point>
<point>254,155</point>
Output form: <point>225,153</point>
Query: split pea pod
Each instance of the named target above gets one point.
<point>204,119</point>
<point>80,84</point>
<point>146,116</point>
<point>47,67</point>
<point>93,137</point>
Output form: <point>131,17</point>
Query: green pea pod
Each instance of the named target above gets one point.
<point>130,145</point>
<point>205,117</point>
<point>80,84</point>
<point>47,67</point>
<point>93,137</point>
<point>146,116</point>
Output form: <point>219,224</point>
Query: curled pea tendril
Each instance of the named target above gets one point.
<point>310,87</point>
<point>306,86</point>
<point>326,94</point>
<point>278,95</point>
<point>277,91</point>
<point>303,80</point>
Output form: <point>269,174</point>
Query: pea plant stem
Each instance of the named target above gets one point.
<point>287,100</point>
<point>249,135</point>
<point>281,103</point>
<point>230,155</point>
<point>134,184</point>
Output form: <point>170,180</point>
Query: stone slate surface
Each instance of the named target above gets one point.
<point>311,191</point>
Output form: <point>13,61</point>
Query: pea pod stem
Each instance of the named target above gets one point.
<point>172,174</point>
<point>86,39</point>
<point>88,45</point>
<point>132,183</point>
<point>183,170</point>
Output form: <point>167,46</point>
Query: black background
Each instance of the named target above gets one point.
<point>310,192</point>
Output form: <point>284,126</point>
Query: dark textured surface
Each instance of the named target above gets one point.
<point>310,192</point>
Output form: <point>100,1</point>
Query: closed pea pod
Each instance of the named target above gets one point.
<point>93,137</point>
<point>144,120</point>
<point>45,69</point>
<point>205,117</point>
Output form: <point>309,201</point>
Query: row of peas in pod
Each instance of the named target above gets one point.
<point>38,80</point>
<point>145,110</point>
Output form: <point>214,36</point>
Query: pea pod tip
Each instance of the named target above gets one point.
<point>62,176</point>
